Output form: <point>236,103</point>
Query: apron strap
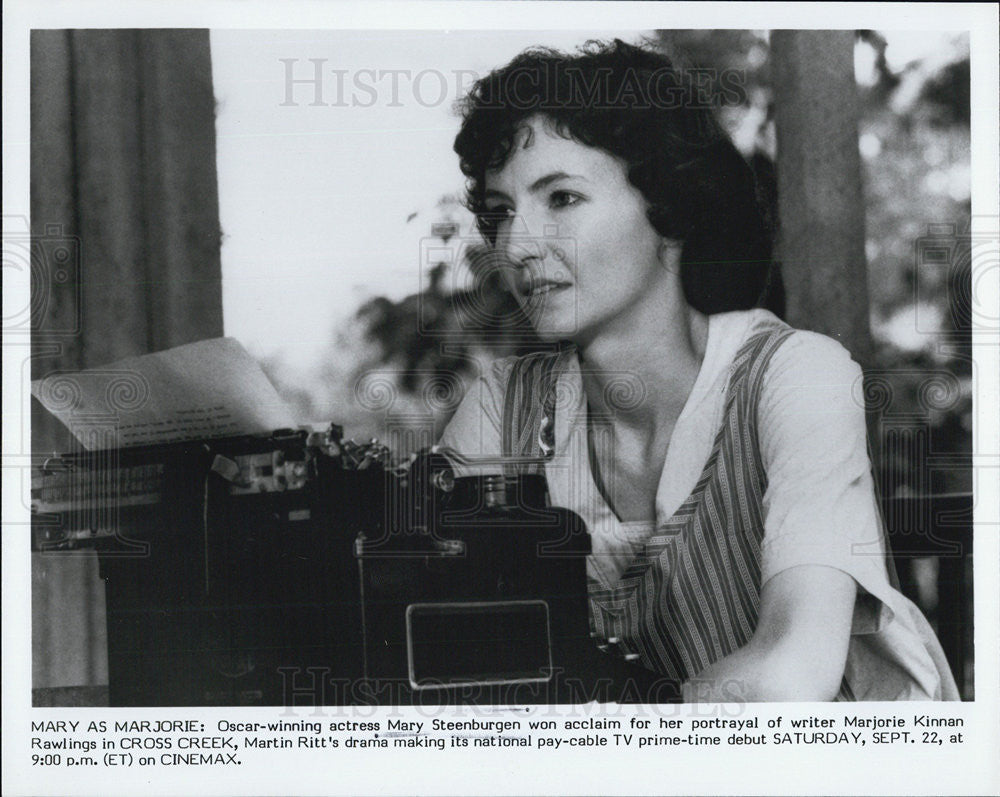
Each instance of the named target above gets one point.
<point>527,421</point>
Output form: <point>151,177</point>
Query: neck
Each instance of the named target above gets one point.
<point>658,360</point>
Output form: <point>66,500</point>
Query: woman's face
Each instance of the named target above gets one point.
<point>582,255</point>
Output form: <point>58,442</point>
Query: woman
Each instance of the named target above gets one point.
<point>716,455</point>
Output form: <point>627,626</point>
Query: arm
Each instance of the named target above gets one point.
<point>799,649</point>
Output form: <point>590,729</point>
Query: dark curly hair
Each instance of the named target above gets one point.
<point>634,104</point>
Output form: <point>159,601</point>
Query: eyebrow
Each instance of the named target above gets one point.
<point>548,179</point>
<point>539,184</point>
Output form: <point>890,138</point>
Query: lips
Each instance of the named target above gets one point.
<point>544,288</point>
<point>537,287</point>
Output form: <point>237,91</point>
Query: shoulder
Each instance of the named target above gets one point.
<point>811,413</point>
<point>487,394</point>
<point>798,357</point>
<point>808,392</point>
<point>500,371</point>
<point>502,367</point>
<point>810,367</point>
<point>488,408</point>
<point>809,358</point>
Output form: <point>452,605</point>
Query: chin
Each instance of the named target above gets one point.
<point>547,335</point>
<point>554,322</point>
<point>551,330</point>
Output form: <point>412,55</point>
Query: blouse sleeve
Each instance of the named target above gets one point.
<point>820,504</point>
<point>821,508</point>
<point>474,430</point>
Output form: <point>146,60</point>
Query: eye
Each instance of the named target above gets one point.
<point>563,199</point>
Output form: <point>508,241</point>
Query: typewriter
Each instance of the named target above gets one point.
<point>300,568</point>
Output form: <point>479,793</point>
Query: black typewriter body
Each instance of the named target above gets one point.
<point>263,570</point>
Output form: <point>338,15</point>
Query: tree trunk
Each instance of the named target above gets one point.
<point>821,240</point>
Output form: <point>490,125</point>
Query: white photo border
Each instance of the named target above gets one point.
<point>970,768</point>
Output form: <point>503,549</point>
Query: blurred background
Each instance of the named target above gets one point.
<point>297,191</point>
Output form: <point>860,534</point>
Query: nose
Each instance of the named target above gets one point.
<point>521,253</point>
<point>525,252</point>
<point>526,258</point>
<point>517,262</point>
